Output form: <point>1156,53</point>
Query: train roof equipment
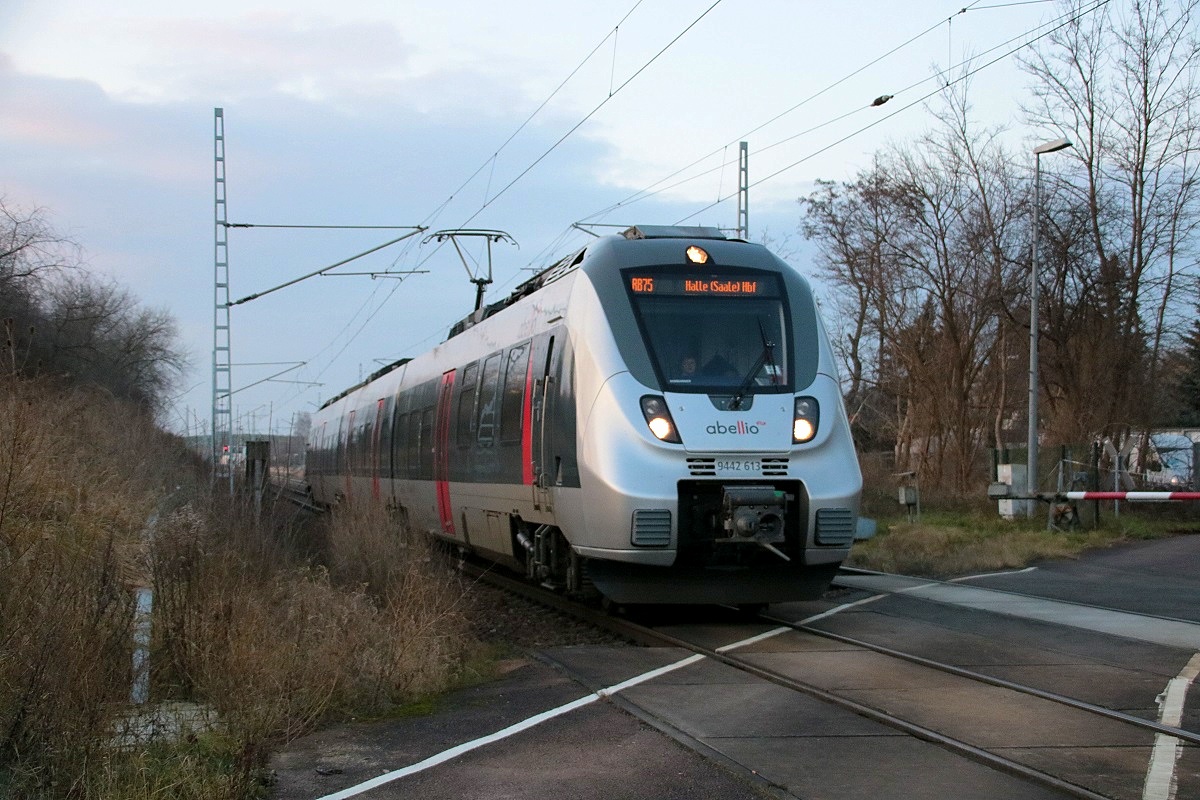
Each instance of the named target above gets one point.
<point>567,264</point>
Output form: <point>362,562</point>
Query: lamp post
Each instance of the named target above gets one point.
<point>1031,473</point>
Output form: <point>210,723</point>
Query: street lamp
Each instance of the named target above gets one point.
<point>1032,468</point>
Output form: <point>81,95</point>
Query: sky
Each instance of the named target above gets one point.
<point>525,116</point>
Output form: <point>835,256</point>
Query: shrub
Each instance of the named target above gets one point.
<point>247,618</point>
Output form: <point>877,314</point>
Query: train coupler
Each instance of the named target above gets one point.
<point>754,514</point>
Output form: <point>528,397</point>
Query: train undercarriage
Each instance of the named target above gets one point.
<point>738,544</point>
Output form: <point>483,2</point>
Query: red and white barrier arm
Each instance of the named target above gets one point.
<point>1133,497</point>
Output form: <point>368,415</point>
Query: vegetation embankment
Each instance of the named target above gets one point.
<point>261,629</point>
<point>964,534</point>
<point>948,544</point>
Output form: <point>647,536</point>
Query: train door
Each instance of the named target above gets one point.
<point>441,452</point>
<point>379,408</point>
<point>317,459</point>
<point>542,398</point>
<point>349,458</point>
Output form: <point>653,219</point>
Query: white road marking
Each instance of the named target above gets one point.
<point>466,747</point>
<point>992,574</point>
<point>1169,632</point>
<point>842,607</point>
<point>1160,776</point>
<point>918,587</point>
<point>753,639</point>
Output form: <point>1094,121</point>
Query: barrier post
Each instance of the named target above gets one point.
<point>258,457</point>
<point>1010,507</point>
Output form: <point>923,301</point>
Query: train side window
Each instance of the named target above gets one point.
<point>512,403</point>
<point>379,438</point>
<point>365,434</point>
<point>426,452</point>
<point>400,446</point>
<point>413,445</point>
<point>346,447</point>
<point>488,389</point>
<point>465,422</point>
<point>362,443</point>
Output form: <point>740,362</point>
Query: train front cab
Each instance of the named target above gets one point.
<point>719,440</point>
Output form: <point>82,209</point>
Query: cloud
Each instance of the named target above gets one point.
<point>48,113</point>
<point>348,65</point>
<point>314,58</point>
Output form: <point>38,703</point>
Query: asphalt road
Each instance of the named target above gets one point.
<point>1159,577</point>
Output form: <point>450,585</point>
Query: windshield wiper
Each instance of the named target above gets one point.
<point>766,357</point>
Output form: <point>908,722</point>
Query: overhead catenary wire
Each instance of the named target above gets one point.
<point>437,210</point>
<point>325,270</point>
<point>495,154</point>
<point>787,111</point>
<point>489,200</point>
<point>655,188</point>
<point>972,6</point>
<point>1071,18</point>
<point>612,93</point>
<point>1025,41</point>
<point>491,160</point>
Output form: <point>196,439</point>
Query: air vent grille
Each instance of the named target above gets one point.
<point>651,527</point>
<point>835,527</point>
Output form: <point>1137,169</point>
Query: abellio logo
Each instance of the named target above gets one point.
<point>738,428</point>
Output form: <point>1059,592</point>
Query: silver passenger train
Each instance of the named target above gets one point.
<point>656,416</point>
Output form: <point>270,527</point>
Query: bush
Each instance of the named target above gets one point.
<point>247,620</point>
<point>70,535</point>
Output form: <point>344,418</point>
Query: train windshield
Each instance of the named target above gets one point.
<point>713,333</point>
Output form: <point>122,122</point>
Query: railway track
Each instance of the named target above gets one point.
<point>987,694</point>
<point>295,492</point>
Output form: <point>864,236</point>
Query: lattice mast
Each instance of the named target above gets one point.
<point>222,376</point>
<point>743,225</point>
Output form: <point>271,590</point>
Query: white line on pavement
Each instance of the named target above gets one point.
<point>524,725</point>
<point>1160,776</point>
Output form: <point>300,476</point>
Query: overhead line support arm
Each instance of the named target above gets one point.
<point>414,232</point>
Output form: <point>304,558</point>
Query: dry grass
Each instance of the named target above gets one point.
<point>947,545</point>
<point>70,518</point>
<point>246,620</point>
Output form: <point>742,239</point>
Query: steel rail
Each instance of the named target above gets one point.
<point>1033,691</point>
<point>648,636</point>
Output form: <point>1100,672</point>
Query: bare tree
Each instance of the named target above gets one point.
<point>31,255</point>
<point>61,321</point>
<point>852,225</point>
<point>928,252</point>
<point>1125,89</point>
<point>920,251</point>
<point>98,333</point>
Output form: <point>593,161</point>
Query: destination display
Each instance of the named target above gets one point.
<point>706,286</point>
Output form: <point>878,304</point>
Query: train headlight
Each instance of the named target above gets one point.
<point>806,419</point>
<point>658,418</point>
<point>697,255</point>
